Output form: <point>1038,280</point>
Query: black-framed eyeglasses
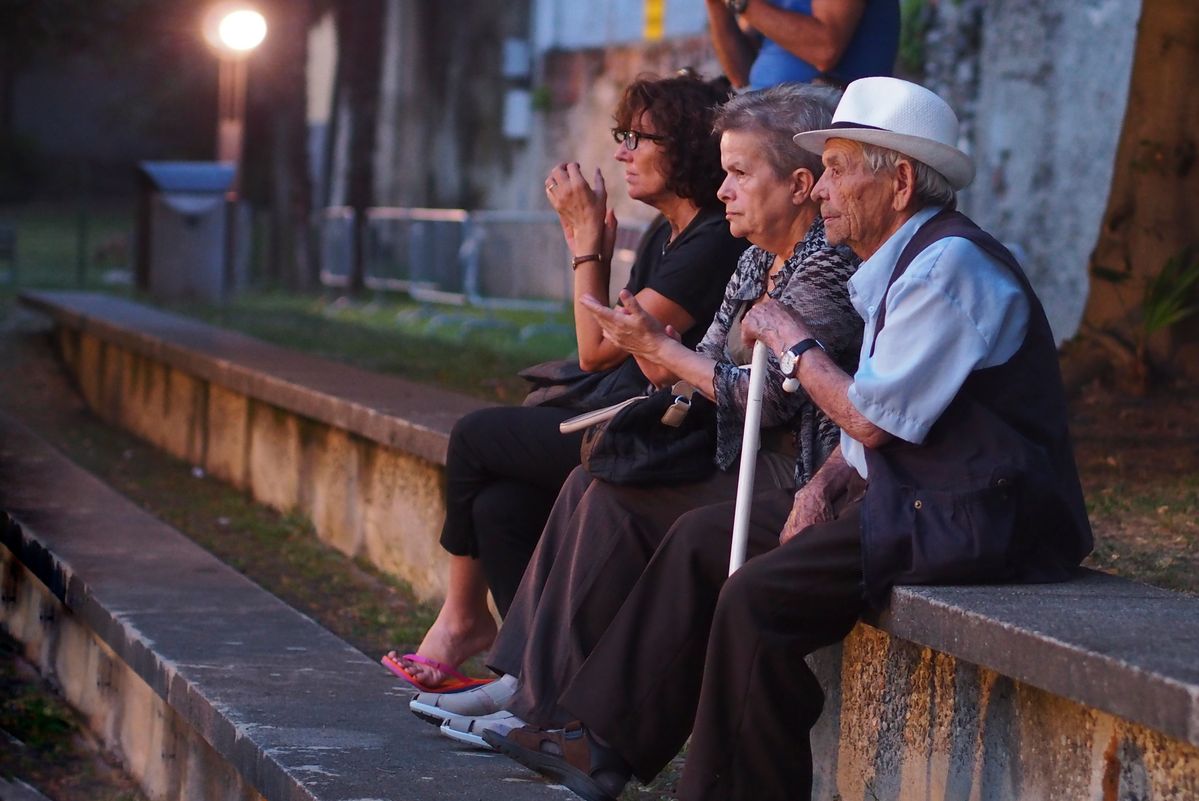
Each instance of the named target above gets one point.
<point>630,139</point>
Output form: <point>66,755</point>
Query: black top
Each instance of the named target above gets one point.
<point>692,270</point>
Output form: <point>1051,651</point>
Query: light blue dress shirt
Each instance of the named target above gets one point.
<point>954,310</point>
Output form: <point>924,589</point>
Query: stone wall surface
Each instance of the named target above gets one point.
<point>906,723</point>
<point>363,498</point>
<point>167,757</point>
<point>1041,88</point>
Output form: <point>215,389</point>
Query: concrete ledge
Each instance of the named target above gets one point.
<point>209,686</point>
<point>1117,645</point>
<point>390,411</point>
<point>360,454</point>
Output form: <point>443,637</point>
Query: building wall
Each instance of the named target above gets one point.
<point>1041,88</point>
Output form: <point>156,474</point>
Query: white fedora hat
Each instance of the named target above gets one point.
<point>900,116</point>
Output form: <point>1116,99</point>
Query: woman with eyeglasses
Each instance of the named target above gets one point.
<point>505,465</point>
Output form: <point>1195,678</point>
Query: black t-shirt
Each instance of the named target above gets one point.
<point>692,270</point>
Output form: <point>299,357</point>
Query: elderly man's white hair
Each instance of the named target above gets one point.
<point>932,188</point>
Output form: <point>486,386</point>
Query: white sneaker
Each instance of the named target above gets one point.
<point>436,707</point>
<point>469,729</point>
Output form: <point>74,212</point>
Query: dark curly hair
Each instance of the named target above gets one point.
<point>683,108</point>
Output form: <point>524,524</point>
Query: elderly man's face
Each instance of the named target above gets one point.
<point>856,204</point>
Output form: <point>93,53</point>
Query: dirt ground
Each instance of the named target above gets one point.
<point>1138,458</point>
<point>1139,462</point>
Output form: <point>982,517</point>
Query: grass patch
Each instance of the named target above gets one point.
<point>465,350</point>
<point>53,238</point>
<point>43,743</point>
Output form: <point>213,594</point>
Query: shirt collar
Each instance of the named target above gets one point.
<point>868,285</point>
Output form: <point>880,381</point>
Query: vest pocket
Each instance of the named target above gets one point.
<point>962,535</point>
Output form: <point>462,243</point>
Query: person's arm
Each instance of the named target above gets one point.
<point>819,38</point>
<point>826,383</point>
<point>734,49</point>
<point>633,329</point>
<point>590,229</point>
<point>814,500</point>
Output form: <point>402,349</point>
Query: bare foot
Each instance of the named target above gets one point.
<point>450,640</point>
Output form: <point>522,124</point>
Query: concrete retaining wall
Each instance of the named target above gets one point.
<point>166,756</point>
<point>907,723</point>
<point>359,454</point>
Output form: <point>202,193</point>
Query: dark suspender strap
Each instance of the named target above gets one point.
<point>945,224</point>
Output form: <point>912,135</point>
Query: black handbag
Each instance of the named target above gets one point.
<point>561,383</point>
<point>665,437</point>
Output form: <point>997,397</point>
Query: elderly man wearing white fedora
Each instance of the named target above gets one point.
<point>955,466</point>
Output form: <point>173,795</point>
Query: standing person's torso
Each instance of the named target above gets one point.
<point>871,51</point>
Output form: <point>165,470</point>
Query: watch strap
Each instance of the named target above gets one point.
<point>792,354</point>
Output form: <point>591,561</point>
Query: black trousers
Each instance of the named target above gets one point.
<point>692,647</point>
<point>504,468</point>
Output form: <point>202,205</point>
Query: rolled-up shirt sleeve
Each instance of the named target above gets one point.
<point>935,334</point>
<point>910,380</point>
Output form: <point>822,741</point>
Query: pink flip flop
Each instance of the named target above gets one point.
<point>456,683</point>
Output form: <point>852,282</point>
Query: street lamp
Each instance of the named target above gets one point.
<point>233,30</point>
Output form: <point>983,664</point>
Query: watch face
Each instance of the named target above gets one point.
<point>787,363</point>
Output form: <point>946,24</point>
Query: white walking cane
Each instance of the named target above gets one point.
<point>749,457</point>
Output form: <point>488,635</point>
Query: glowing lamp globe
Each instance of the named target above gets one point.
<point>242,30</point>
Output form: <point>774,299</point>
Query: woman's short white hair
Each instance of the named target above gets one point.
<point>778,113</point>
<point>932,189</point>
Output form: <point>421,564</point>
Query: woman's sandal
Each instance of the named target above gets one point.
<point>456,683</point>
<point>568,756</point>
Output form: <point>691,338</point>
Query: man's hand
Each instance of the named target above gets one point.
<point>811,507</point>
<point>774,324</point>
<point>815,502</point>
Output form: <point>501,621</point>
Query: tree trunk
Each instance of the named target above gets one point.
<point>359,53</point>
<point>1152,213</point>
<point>291,186</point>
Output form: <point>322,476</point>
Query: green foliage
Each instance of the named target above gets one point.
<point>915,18</point>
<point>1170,295</point>
<point>33,717</point>
<point>543,98</point>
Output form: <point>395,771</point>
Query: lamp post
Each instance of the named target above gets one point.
<point>234,30</point>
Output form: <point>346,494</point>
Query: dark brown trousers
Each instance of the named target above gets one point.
<point>598,540</point>
<point>690,646</point>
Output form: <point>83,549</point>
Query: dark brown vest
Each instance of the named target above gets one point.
<point>992,494</point>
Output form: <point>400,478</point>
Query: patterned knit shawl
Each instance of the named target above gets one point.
<point>813,282</point>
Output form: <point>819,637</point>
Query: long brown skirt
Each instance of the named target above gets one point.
<point>597,542</point>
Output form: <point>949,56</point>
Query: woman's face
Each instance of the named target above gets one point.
<point>759,205</point>
<point>645,169</point>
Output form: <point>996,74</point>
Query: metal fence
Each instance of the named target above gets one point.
<point>60,245</point>
<point>487,259</point>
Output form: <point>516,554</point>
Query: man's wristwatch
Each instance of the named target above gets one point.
<point>737,6</point>
<point>789,361</point>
